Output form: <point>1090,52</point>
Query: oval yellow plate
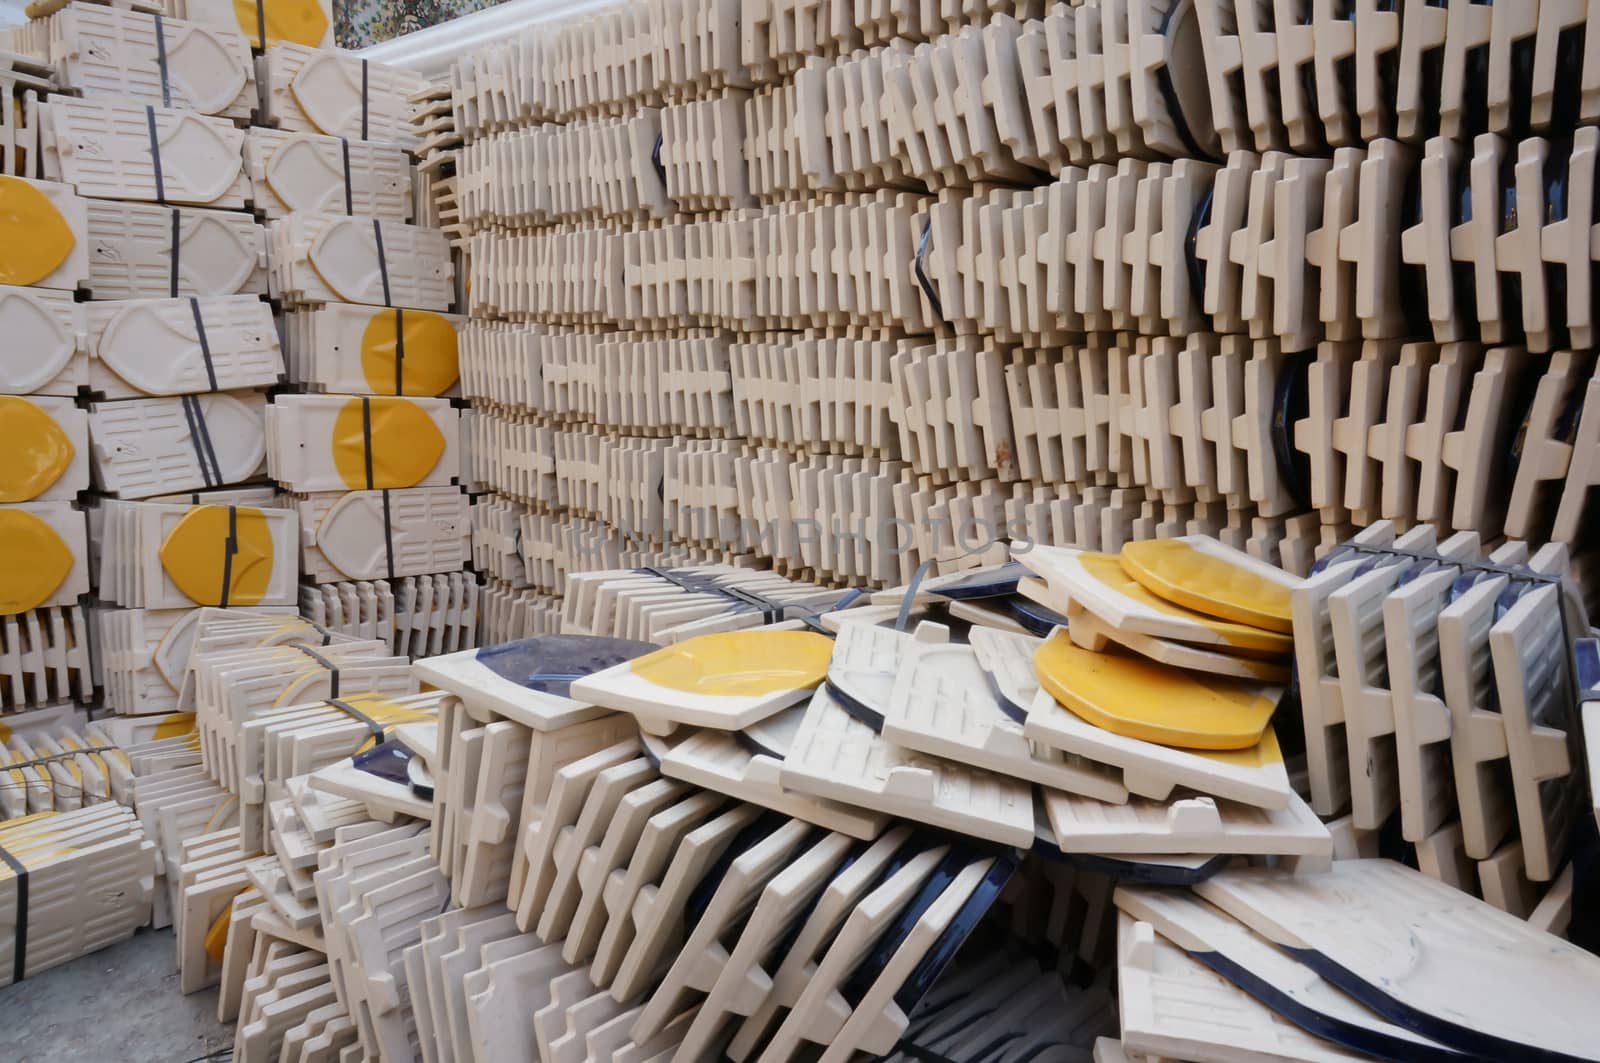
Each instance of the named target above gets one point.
<point>33,561</point>
<point>406,444</point>
<point>40,451</point>
<point>429,362</point>
<point>195,555</point>
<point>739,663</point>
<point>1210,577</point>
<point>34,238</point>
<point>1139,698</point>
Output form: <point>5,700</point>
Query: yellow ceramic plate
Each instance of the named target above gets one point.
<point>739,663</point>
<point>195,555</point>
<point>1210,577</point>
<point>34,560</point>
<point>1139,698</point>
<point>34,238</point>
<point>38,450</point>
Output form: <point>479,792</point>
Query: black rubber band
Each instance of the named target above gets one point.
<point>200,436</point>
<point>205,345</point>
<point>383,260</point>
<point>399,351</point>
<point>366,438</point>
<point>54,757</point>
<point>388,534</point>
<point>333,669</point>
<point>173,254</point>
<point>155,153</point>
<point>19,955</point>
<point>356,714</point>
<point>344,146</point>
<point>230,547</point>
<point>363,97</point>
<point>161,60</point>
<point>922,270</point>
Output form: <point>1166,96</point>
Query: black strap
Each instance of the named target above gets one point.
<point>344,146</point>
<point>155,153</point>
<point>354,713</point>
<point>261,25</point>
<point>655,159</point>
<point>205,345</point>
<point>399,351</point>
<point>200,436</point>
<point>172,256</point>
<point>19,957</point>
<point>230,546</point>
<point>383,260</point>
<point>922,269</point>
<point>366,438</point>
<point>161,60</point>
<point>333,669</point>
<point>388,534</point>
<point>363,98</point>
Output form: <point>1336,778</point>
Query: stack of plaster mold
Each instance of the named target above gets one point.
<point>770,843</point>
<point>1200,314</point>
<point>175,347</point>
<point>370,445</point>
<point>44,640</point>
<point>74,882</point>
<point>283,709</point>
<point>55,760</point>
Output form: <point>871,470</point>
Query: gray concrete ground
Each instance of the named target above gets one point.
<point>120,1005</point>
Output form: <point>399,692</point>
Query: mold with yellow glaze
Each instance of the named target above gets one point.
<point>1210,577</point>
<point>726,681</point>
<point>293,21</point>
<point>34,561</point>
<point>34,238</point>
<point>429,365</point>
<point>1097,582</point>
<point>38,451</point>
<point>405,442</point>
<point>1142,699</point>
<point>739,663</point>
<point>195,551</point>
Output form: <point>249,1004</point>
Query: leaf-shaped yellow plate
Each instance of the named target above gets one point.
<point>37,450</point>
<point>295,21</point>
<point>34,238</point>
<point>406,444</point>
<point>33,561</point>
<point>429,365</point>
<point>195,555</point>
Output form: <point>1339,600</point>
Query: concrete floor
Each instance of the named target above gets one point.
<point>119,1005</point>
